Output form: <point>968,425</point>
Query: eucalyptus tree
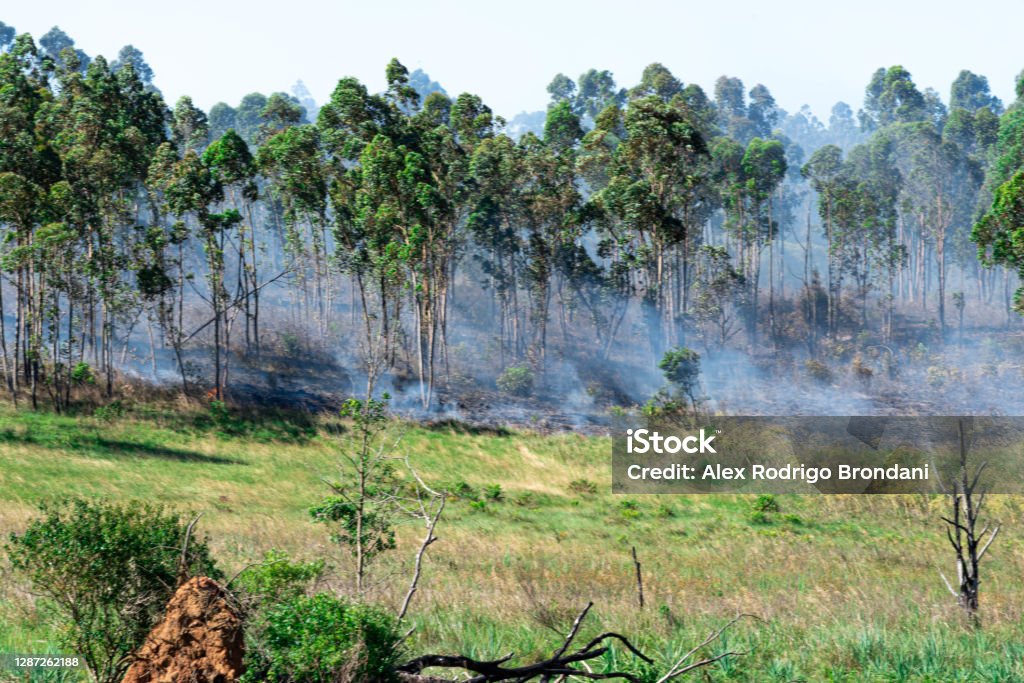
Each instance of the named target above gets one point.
<point>881,253</point>
<point>763,167</point>
<point>733,115</point>
<point>496,167</point>
<point>190,127</point>
<point>842,127</point>
<point>892,97</point>
<point>190,189</point>
<point>561,89</point>
<point>762,112</point>
<point>292,161</point>
<point>105,127</point>
<point>347,123</point>
<point>822,170</point>
<point>27,166</point>
<point>940,189</point>
<point>234,168</point>
<point>129,54</point>
<point>163,277</point>
<point>221,119</point>
<point>551,217</point>
<point>655,176</point>
<point>249,117</point>
<point>446,135</point>
<point>597,90</point>
<point>656,80</point>
<point>970,91</point>
<point>54,42</point>
<point>997,232</point>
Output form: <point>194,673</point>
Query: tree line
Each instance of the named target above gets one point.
<point>656,213</point>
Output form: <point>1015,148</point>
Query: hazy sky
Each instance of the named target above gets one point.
<point>806,51</point>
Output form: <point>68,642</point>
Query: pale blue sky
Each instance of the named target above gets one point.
<point>805,51</point>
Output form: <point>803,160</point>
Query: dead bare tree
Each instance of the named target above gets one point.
<point>968,543</point>
<point>427,507</point>
<point>561,665</point>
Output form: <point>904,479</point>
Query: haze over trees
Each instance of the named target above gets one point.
<point>392,229</point>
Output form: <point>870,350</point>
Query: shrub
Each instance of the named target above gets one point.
<point>681,367</point>
<point>82,374</point>
<point>759,517</point>
<point>516,380</point>
<point>630,509</point>
<point>277,579</point>
<point>323,639</point>
<point>463,490</point>
<point>220,416</point>
<point>494,492</point>
<point>109,570</point>
<point>766,502</point>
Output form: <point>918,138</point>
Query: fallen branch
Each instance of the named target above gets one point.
<point>560,666</point>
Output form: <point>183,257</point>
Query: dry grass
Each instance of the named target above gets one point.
<point>847,585</point>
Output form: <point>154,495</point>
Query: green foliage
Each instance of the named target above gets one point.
<point>369,528</point>
<point>629,508</point>
<point>323,639</point>
<point>219,414</point>
<point>766,502</point>
<point>362,511</point>
<point>1000,232</point>
<point>109,569</point>
<point>493,492</point>
<point>464,490</point>
<point>82,374</point>
<point>517,380</point>
<point>681,367</point>
<point>278,578</point>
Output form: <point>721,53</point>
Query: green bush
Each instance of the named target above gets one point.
<point>516,380</point>
<point>109,570</point>
<point>681,367</point>
<point>82,374</point>
<point>463,490</point>
<point>277,579</point>
<point>629,509</point>
<point>759,517</point>
<point>323,639</point>
<point>493,492</point>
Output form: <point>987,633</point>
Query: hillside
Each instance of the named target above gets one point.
<point>847,587</point>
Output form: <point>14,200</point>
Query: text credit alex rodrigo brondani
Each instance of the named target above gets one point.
<point>812,455</point>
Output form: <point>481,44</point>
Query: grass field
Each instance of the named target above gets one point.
<point>846,587</point>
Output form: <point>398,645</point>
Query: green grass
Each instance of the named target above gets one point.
<point>846,587</point>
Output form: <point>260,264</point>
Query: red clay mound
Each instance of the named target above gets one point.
<point>198,641</point>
